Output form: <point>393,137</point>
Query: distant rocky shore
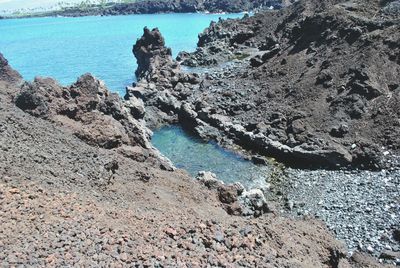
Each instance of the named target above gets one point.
<point>165,6</point>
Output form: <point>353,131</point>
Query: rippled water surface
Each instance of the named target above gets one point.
<point>194,155</point>
<point>65,48</point>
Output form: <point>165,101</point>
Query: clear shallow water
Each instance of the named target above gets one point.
<point>65,48</point>
<point>194,155</point>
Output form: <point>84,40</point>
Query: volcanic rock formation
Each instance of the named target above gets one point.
<point>316,84</point>
<point>80,185</point>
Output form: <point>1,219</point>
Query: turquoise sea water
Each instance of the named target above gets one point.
<point>194,155</point>
<point>65,48</point>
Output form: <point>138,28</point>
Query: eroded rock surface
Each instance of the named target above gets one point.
<point>304,85</point>
<point>93,114</point>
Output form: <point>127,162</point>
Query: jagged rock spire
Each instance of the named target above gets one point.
<point>151,53</point>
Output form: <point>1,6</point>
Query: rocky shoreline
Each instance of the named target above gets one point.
<point>80,184</point>
<point>157,7</point>
<point>229,99</point>
<point>299,99</point>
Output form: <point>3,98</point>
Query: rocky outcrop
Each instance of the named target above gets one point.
<point>223,42</point>
<point>206,106</point>
<point>153,58</point>
<point>7,73</point>
<point>234,198</point>
<point>93,114</point>
<point>161,83</point>
<point>303,84</point>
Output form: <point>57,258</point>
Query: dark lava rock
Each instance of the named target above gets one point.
<point>228,194</point>
<point>311,59</point>
<point>396,235</point>
<point>256,61</point>
<point>150,52</point>
<point>7,73</point>
<point>29,100</point>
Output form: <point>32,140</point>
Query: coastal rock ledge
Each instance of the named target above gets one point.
<point>168,95</point>
<point>278,89</point>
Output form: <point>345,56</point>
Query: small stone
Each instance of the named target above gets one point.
<point>219,237</point>
<point>12,258</point>
<point>171,232</point>
<point>246,230</point>
<point>396,235</point>
<point>123,257</point>
<point>14,191</point>
<point>289,205</point>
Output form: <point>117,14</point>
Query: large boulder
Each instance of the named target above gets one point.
<point>209,179</point>
<point>254,203</point>
<point>234,198</point>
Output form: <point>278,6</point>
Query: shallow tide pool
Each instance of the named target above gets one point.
<point>194,155</point>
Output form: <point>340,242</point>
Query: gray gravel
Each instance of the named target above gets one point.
<point>361,207</point>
